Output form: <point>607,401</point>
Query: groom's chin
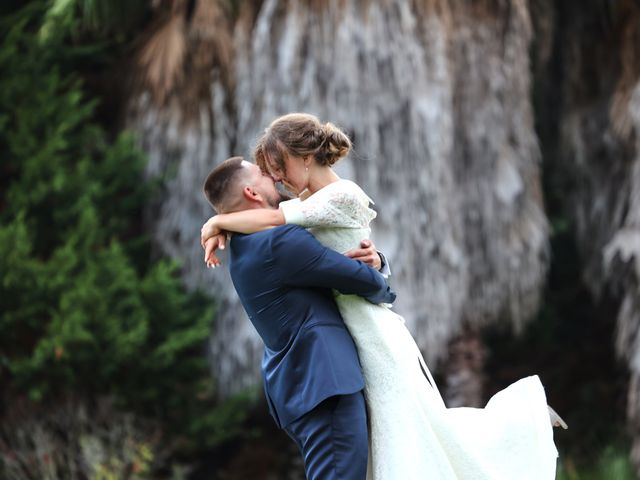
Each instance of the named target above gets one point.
<point>282,198</point>
<point>283,193</point>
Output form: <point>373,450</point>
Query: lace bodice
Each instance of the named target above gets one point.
<point>338,215</point>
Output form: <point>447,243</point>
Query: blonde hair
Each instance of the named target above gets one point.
<point>299,135</point>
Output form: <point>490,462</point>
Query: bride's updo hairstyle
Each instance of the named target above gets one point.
<point>299,135</point>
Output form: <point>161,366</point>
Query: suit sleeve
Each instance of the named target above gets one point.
<point>304,262</point>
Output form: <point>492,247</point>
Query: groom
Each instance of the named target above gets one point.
<point>283,276</point>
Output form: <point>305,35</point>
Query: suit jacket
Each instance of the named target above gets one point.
<point>284,278</point>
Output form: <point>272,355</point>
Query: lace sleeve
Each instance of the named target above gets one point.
<point>341,204</point>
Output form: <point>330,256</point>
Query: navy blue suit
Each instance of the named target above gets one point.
<point>284,278</point>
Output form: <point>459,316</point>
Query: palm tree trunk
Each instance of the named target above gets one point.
<point>592,100</point>
<point>464,371</point>
<point>435,95</point>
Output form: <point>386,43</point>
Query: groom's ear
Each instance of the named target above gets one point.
<point>250,194</point>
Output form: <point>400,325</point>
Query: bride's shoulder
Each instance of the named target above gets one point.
<point>340,192</point>
<point>351,187</point>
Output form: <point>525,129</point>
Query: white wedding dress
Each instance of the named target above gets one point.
<point>412,435</point>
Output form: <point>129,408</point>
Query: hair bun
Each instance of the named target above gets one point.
<point>300,135</point>
<point>336,144</point>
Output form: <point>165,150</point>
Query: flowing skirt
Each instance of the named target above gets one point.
<point>412,435</point>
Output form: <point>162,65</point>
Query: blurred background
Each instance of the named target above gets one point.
<point>498,138</point>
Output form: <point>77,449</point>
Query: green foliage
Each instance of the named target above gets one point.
<point>79,439</point>
<point>95,16</point>
<point>612,464</point>
<point>82,307</point>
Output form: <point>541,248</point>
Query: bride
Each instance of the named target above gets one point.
<point>412,435</point>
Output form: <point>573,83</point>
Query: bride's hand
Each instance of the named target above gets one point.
<point>367,253</point>
<point>217,242</point>
<point>208,230</point>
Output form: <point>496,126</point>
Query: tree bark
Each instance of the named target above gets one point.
<point>436,97</point>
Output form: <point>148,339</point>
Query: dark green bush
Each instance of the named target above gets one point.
<point>83,308</point>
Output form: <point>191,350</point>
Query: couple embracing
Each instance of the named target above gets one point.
<point>342,374</point>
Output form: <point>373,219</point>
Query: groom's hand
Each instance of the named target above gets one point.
<point>367,253</point>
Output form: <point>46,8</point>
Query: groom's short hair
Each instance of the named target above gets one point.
<point>218,187</point>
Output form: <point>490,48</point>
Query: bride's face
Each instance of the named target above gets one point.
<point>294,176</point>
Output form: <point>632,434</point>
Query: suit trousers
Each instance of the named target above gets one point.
<point>333,438</point>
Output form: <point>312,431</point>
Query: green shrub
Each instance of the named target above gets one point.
<point>83,308</point>
<point>612,464</point>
